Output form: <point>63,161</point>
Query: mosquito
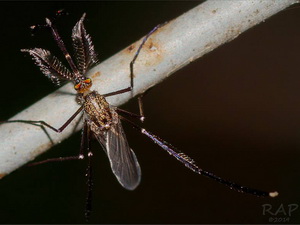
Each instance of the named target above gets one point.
<point>102,120</point>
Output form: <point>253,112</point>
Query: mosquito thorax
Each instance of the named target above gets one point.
<point>99,112</point>
<point>83,85</point>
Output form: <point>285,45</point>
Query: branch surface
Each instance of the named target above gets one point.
<point>173,46</point>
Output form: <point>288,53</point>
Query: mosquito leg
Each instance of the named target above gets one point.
<point>141,116</point>
<point>77,123</point>
<point>141,109</point>
<point>132,74</point>
<point>132,63</point>
<point>59,159</point>
<point>43,123</point>
<point>130,114</point>
<point>117,92</point>
<point>70,119</point>
<point>85,142</point>
<point>76,157</point>
<point>88,203</point>
<point>141,105</point>
<point>138,52</point>
<point>34,124</point>
<point>190,163</point>
<point>89,175</point>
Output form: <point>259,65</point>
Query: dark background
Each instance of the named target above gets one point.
<point>236,111</point>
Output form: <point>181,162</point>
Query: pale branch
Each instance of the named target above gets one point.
<point>173,46</point>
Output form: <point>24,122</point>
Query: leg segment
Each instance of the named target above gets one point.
<point>131,68</point>
<point>84,146</point>
<point>43,123</point>
<point>130,114</point>
<point>89,174</point>
<point>190,163</point>
<point>131,65</point>
<point>138,52</point>
<point>118,92</point>
<point>132,75</point>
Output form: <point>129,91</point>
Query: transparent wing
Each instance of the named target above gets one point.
<point>49,65</point>
<point>85,54</point>
<point>122,159</point>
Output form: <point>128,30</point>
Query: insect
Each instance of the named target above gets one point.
<point>102,120</point>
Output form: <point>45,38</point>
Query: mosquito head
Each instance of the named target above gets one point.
<point>82,84</point>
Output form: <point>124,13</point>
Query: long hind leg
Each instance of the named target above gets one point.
<point>191,164</point>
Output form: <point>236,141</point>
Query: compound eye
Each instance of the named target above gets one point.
<point>87,81</point>
<point>77,86</point>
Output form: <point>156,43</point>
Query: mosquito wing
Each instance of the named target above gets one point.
<point>123,161</point>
